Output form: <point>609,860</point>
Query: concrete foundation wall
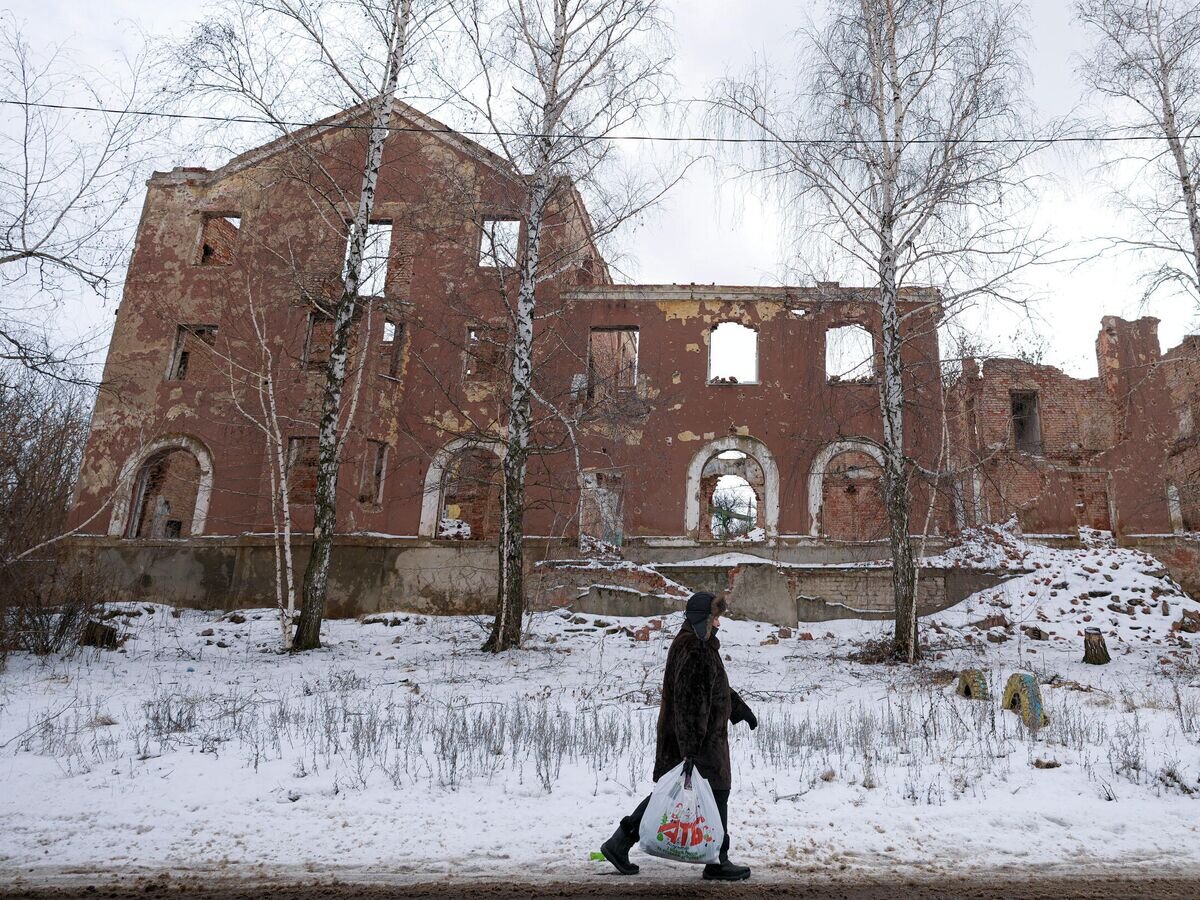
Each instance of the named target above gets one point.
<point>229,573</point>
<point>382,574</point>
<point>372,574</point>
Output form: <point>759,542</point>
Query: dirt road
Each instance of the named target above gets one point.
<point>944,889</point>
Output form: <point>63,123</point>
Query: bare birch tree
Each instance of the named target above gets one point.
<point>279,58</point>
<point>555,79</point>
<point>260,381</point>
<point>1146,60</point>
<point>896,150</point>
<point>67,182</point>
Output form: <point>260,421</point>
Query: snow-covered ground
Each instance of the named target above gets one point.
<point>400,751</point>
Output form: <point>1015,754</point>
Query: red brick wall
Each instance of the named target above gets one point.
<point>218,241</point>
<point>171,482</point>
<point>852,507</point>
<point>1103,440</point>
<point>1182,369</point>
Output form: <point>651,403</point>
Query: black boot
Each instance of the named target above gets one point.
<point>725,870</point>
<point>616,851</point>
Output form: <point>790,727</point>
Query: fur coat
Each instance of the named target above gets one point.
<point>697,707</point>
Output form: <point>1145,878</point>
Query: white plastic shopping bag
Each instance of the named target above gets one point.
<point>682,821</point>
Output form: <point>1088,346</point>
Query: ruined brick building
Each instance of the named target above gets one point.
<point>671,419</point>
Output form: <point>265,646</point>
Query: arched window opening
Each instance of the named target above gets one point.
<point>734,508</point>
<point>731,486</point>
<point>164,496</point>
<point>849,354</point>
<point>471,497</point>
<point>732,354</point>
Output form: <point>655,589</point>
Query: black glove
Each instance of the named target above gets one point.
<point>751,718</point>
<point>688,765</point>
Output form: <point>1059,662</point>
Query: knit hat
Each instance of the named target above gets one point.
<point>702,608</point>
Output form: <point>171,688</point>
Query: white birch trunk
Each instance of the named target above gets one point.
<point>1187,184</point>
<point>510,593</point>
<point>316,577</point>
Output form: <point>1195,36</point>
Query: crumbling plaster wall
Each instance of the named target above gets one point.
<point>792,410</point>
<point>1101,462</point>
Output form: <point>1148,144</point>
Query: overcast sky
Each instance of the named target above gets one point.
<point>706,232</point>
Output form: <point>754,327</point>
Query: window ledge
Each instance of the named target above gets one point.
<point>862,382</point>
<point>734,383</point>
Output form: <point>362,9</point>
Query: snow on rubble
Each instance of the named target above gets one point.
<point>399,751</point>
<point>1057,593</point>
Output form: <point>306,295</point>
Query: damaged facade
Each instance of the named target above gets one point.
<point>649,435</point>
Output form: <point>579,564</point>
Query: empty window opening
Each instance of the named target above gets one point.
<point>164,499</point>
<point>500,243</point>
<point>732,485</point>
<point>1027,431</point>
<point>849,354</point>
<point>732,354</point>
<point>733,507</point>
<point>393,342</point>
<point>612,362</point>
<point>483,358</point>
<point>303,459</point>
<point>471,497</point>
<point>374,467</point>
<point>601,507</point>
<point>218,237</point>
<point>319,340</point>
<point>190,340</point>
<point>377,251</point>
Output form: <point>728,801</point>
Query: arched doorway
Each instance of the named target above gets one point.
<point>732,491</point>
<point>164,496</point>
<point>845,492</point>
<point>164,490</point>
<point>852,498</point>
<point>733,503</point>
<point>471,496</point>
<point>461,499</point>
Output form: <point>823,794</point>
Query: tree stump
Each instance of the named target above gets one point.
<point>97,634</point>
<point>1095,651</point>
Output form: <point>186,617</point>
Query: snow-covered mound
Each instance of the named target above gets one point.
<point>1057,593</point>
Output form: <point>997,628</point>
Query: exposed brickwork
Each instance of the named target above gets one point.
<point>867,591</point>
<point>472,493</point>
<point>167,488</point>
<point>1182,368</point>
<point>1107,448</point>
<point>852,506</point>
<point>217,241</point>
<point>1106,443</point>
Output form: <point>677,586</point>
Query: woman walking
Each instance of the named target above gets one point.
<point>693,725</point>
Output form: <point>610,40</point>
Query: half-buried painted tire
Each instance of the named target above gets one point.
<point>1023,696</point>
<point>972,685</point>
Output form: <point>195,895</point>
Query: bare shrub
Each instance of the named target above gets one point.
<point>43,426</point>
<point>48,606</point>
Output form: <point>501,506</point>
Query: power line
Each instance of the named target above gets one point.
<point>646,138</point>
